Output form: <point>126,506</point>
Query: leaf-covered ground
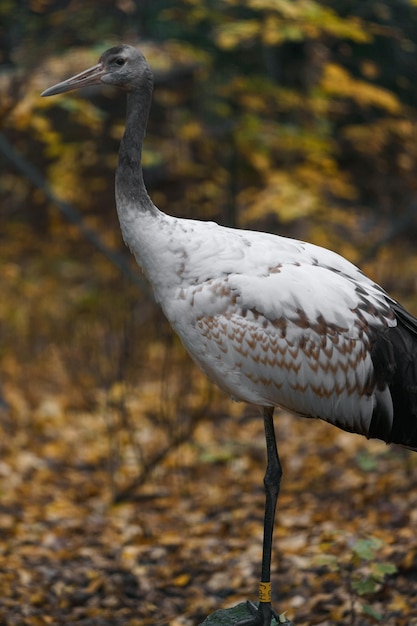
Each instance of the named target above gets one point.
<point>190,541</point>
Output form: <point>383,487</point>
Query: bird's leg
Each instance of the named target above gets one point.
<point>262,615</point>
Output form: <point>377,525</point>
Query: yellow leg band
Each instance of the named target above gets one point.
<point>264,592</point>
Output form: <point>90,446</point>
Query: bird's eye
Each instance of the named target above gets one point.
<point>120,61</point>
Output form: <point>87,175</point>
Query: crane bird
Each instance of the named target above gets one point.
<point>273,321</point>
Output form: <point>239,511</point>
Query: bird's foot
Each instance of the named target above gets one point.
<point>261,615</point>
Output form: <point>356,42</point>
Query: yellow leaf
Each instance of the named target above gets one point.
<point>182,580</point>
<point>338,82</point>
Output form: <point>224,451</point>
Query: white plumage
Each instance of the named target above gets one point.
<point>273,321</point>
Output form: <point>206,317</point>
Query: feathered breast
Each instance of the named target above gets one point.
<point>280,322</point>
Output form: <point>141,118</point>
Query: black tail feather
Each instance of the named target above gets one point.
<point>394,356</point>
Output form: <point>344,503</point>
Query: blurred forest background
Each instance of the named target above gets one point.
<point>130,489</point>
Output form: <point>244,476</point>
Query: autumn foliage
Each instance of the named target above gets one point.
<point>130,488</point>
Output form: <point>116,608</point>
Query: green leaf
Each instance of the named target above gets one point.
<point>365,585</point>
<point>369,610</point>
<point>365,549</point>
<point>328,560</point>
<point>366,461</point>
<point>380,570</point>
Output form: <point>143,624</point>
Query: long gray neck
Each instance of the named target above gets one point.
<point>131,195</point>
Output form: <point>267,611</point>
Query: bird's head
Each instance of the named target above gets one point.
<point>122,66</point>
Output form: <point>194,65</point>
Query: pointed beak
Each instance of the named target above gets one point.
<point>89,77</point>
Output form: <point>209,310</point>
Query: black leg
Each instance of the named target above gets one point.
<point>264,613</point>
